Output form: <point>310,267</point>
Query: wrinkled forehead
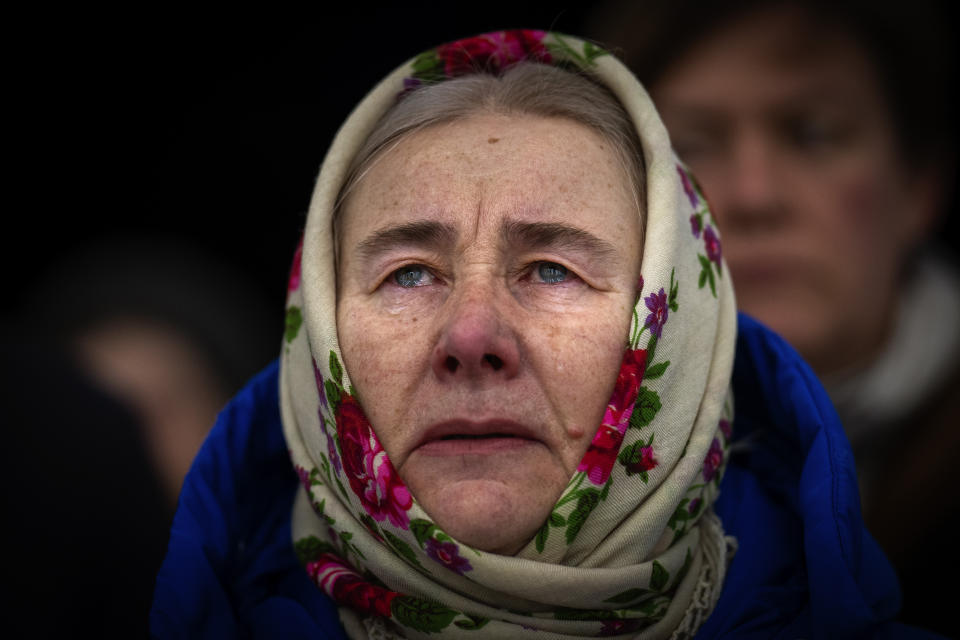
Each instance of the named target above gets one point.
<point>477,174</point>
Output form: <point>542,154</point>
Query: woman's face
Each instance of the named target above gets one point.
<point>785,124</point>
<point>486,283</point>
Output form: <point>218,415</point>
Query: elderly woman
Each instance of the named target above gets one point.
<point>506,390</point>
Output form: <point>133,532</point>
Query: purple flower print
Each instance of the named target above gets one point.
<point>619,625</point>
<point>304,476</point>
<point>319,378</point>
<point>688,188</point>
<point>694,505</point>
<point>696,225</point>
<point>712,244</point>
<point>726,429</point>
<point>447,554</point>
<point>712,462</point>
<point>332,450</point>
<point>657,304</point>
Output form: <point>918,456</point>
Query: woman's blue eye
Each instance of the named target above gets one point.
<point>409,276</point>
<point>551,272</point>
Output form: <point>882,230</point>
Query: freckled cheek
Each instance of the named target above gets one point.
<point>581,363</point>
<point>380,350</point>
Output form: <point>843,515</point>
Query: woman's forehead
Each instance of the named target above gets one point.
<point>488,168</point>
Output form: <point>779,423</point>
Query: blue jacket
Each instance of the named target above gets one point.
<point>806,566</point>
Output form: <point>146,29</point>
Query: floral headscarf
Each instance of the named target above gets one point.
<point>632,547</point>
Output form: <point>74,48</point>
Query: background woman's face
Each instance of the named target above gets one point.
<point>488,272</point>
<point>785,125</point>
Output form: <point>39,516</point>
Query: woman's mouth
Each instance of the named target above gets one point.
<point>474,438</point>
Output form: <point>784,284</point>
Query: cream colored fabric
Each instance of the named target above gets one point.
<point>649,558</point>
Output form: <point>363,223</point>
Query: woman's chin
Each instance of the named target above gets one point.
<point>488,515</point>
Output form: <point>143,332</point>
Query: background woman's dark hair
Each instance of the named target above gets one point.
<point>909,44</point>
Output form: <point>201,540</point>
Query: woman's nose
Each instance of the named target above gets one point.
<point>752,192</point>
<point>476,342</point>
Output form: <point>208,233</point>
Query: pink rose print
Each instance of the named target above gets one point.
<point>628,383</point>
<point>713,460</point>
<point>347,587</point>
<point>372,476</point>
<point>602,453</point>
<point>647,461</point>
<point>492,52</point>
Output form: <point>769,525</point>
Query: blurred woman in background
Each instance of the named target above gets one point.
<point>822,136</point>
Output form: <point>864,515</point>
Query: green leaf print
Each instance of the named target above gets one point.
<point>680,514</point>
<point>656,370</point>
<point>342,490</point>
<point>422,530</point>
<point>542,535</point>
<point>309,549</point>
<point>659,578</point>
<point>651,348</point>
<point>472,623</point>
<point>587,503</point>
<point>293,321</point>
<point>591,51</point>
<point>333,394</point>
<point>320,508</point>
<point>335,369</point>
<point>427,67</point>
<point>646,408</point>
<point>674,289</point>
<point>402,548</point>
<point>421,615</point>
<point>370,524</point>
<point>654,608</point>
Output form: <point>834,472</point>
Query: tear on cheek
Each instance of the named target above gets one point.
<point>416,301</point>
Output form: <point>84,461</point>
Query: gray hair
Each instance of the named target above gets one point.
<point>526,88</point>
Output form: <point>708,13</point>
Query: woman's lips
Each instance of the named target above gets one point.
<point>468,437</point>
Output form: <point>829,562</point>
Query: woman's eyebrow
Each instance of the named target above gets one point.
<point>554,235</point>
<point>424,233</point>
